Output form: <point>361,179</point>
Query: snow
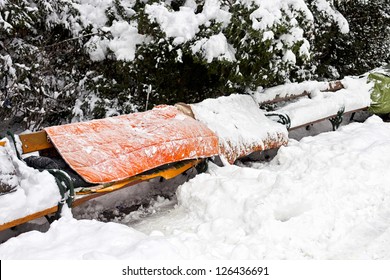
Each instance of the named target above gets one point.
<point>270,13</point>
<point>214,47</point>
<point>36,191</point>
<point>324,197</point>
<point>124,35</point>
<point>184,26</point>
<point>236,120</point>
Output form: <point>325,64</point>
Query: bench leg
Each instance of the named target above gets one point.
<point>338,119</point>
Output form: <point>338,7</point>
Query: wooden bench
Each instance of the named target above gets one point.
<point>332,102</point>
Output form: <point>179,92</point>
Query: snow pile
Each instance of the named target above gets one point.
<point>35,191</point>
<point>270,13</point>
<point>123,45</point>
<point>241,126</point>
<point>325,197</point>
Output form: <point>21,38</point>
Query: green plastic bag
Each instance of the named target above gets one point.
<point>380,95</point>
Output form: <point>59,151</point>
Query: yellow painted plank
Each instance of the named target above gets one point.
<point>35,141</point>
<point>167,174</point>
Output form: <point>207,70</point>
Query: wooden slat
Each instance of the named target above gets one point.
<point>332,87</point>
<point>167,174</point>
<point>28,218</point>
<point>326,118</point>
<point>35,141</point>
<point>278,99</point>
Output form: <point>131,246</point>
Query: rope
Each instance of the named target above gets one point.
<point>66,188</point>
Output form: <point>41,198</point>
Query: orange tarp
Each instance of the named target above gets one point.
<point>116,148</point>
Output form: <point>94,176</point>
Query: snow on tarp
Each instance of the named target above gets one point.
<point>35,191</point>
<point>241,126</point>
<point>116,148</point>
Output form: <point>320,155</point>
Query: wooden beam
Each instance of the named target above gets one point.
<point>288,97</point>
<point>35,141</point>
<point>326,118</point>
<point>332,87</point>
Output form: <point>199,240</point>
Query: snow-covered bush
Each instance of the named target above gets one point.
<point>367,45</point>
<point>37,80</point>
<point>64,60</point>
<point>270,42</point>
<point>351,37</point>
<point>208,48</point>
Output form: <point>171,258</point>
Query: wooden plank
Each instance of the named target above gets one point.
<point>167,174</point>
<point>35,141</point>
<point>28,218</point>
<point>326,118</point>
<point>278,99</point>
<point>332,87</point>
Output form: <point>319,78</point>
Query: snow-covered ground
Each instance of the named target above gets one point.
<point>323,197</point>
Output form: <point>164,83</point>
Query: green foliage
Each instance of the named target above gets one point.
<point>367,45</point>
<point>60,65</point>
<point>261,52</point>
<point>363,48</point>
<point>169,73</point>
<point>36,80</point>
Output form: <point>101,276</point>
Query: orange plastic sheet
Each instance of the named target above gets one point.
<point>116,148</point>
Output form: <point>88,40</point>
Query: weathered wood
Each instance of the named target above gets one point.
<point>278,99</point>
<point>326,118</point>
<point>185,109</point>
<point>35,141</point>
<point>332,87</point>
<point>28,218</point>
